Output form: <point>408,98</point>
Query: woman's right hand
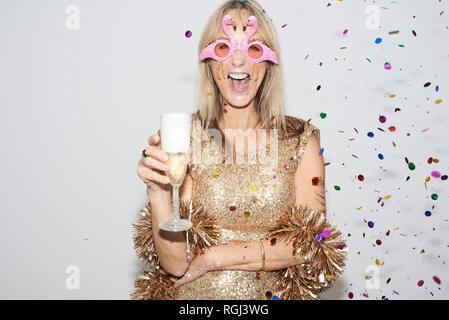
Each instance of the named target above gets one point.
<point>151,169</point>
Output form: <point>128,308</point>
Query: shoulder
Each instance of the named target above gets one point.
<point>298,127</point>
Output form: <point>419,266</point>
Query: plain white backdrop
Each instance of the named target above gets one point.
<point>78,105</point>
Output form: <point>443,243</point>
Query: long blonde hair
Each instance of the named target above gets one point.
<point>269,98</point>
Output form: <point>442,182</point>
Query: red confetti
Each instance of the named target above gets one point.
<point>392,128</point>
<point>361,177</point>
<point>273,241</point>
<point>315,181</point>
<point>232,208</point>
<point>436,279</point>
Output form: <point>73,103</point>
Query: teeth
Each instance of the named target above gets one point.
<point>238,76</point>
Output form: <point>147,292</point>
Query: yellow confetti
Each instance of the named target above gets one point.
<point>394,144</point>
<point>253,187</point>
<point>438,101</point>
<point>427,179</point>
<point>436,160</point>
<point>210,94</point>
<point>392,95</point>
<point>387,197</point>
<point>246,214</point>
<point>397,228</point>
<point>215,175</point>
<point>328,276</point>
<point>379,262</point>
<point>359,208</point>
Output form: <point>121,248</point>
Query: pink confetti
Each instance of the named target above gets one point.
<point>344,32</point>
<point>424,130</point>
<point>435,174</point>
<point>420,283</point>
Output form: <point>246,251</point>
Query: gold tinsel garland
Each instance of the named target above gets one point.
<point>157,284</point>
<point>324,259</point>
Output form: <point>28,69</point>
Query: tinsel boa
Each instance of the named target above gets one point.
<point>324,256</point>
<point>157,284</point>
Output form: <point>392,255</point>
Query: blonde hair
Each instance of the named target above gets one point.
<point>269,98</point>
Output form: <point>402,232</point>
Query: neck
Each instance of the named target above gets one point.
<point>240,117</point>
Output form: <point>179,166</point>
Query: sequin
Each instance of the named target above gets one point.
<point>246,214</point>
<point>253,187</point>
<point>232,190</point>
<point>215,175</point>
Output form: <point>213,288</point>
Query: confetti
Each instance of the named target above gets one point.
<point>284,25</point>
<point>392,128</point>
<point>188,34</point>
<point>438,101</point>
<point>428,213</point>
<point>350,295</point>
<point>382,119</point>
<point>323,115</point>
<point>387,66</point>
<point>370,224</point>
<point>326,232</point>
<point>321,152</point>
<point>380,262</point>
<point>411,166</point>
<point>360,177</point>
<point>435,174</point>
<point>319,237</point>
<point>444,177</point>
<point>318,88</point>
<point>246,214</point>
<point>380,156</point>
<point>232,208</point>
<point>378,40</point>
<point>337,188</point>
<point>434,196</point>
<point>436,279</point>
<point>370,134</point>
<point>427,84</point>
<point>420,283</point>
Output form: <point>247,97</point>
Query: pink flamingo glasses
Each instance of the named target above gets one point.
<point>256,51</point>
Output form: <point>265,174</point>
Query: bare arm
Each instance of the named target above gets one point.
<point>170,246</point>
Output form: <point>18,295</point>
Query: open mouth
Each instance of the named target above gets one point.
<point>239,81</point>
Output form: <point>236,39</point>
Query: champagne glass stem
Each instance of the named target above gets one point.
<point>176,216</point>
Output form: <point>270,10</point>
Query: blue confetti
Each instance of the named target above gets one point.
<point>437,88</point>
<point>378,40</point>
<point>275,298</point>
<point>381,156</point>
<point>428,213</point>
<point>321,151</point>
<point>370,134</point>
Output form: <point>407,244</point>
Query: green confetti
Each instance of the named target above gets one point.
<point>368,60</point>
<point>323,115</point>
<point>326,164</point>
<point>320,195</point>
<point>411,166</point>
<point>434,196</point>
<point>401,45</point>
<point>337,188</point>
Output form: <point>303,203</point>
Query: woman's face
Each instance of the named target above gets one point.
<point>236,91</point>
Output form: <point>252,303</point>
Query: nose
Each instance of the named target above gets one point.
<point>238,59</point>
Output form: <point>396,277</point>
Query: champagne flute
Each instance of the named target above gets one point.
<point>175,141</point>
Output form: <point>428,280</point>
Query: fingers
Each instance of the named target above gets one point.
<point>157,153</point>
<point>150,175</point>
<point>154,139</point>
<point>155,164</point>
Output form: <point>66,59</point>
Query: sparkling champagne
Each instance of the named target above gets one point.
<point>178,167</point>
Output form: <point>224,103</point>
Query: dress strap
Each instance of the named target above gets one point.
<point>305,137</point>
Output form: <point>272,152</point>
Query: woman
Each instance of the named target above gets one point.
<point>259,231</point>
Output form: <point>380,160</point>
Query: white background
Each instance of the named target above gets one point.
<point>77,108</point>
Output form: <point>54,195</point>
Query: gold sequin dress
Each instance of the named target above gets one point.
<point>246,200</point>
